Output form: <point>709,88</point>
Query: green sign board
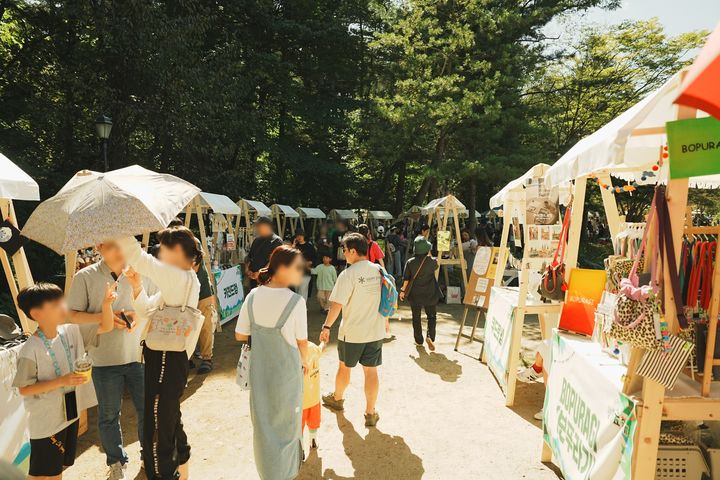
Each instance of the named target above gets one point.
<point>694,147</point>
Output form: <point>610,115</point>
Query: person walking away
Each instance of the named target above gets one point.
<point>262,246</point>
<point>310,256</point>
<point>311,394</point>
<point>326,278</point>
<point>375,253</point>
<point>394,246</point>
<point>421,290</point>
<point>167,452</point>
<point>469,246</point>
<point>362,330</point>
<point>337,238</point>
<point>206,304</point>
<point>52,392</point>
<point>274,319</point>
<point>116,356</point>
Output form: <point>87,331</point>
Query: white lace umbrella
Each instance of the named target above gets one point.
<point>95,206</point>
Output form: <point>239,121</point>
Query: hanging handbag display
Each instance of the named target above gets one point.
<point>174,329</point>
<point>553,285</point>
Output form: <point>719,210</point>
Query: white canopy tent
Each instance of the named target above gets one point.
<point>219,203</point>
<point>514,189</point>
<point>282,213</point>
<point>15,184</point>
<point>314,214</point>
<point>340,214</point>
<point>380,215</point>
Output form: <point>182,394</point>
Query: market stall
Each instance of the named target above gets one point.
<point>15,184</point>
<point>633,147</point>
<point>337,215</point>
<point>314,214</point>
<point>508,307</point>
<point>222,261</point>
<point>249,211</point>
<point>372,217</point>
<point>449,240</point>
<point>283,213</point>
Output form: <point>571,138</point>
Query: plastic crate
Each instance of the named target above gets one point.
<point>681,463</point>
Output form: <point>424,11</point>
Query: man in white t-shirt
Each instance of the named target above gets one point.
<point>362,330</point>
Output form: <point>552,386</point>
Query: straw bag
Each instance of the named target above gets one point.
<point>174,329</point>
<point>242,374</point>
<point>553,285</point>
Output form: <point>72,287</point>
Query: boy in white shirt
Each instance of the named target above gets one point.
<point>54,393</point>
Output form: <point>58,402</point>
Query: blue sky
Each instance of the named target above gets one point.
<point>677,16</point>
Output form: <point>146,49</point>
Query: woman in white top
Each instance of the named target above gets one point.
<point>275,319</point>
<point>165,447</point>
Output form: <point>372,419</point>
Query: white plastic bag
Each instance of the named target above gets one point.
<point>242,377</point>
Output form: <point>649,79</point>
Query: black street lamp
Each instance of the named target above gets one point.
<point>103,125</point>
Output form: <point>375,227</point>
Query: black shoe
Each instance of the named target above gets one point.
<point>191,364</point>
<point>205,367</point>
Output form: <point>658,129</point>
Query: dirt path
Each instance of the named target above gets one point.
<point>442,417</point>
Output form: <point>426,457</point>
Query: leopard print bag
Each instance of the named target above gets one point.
<point>634,323</point>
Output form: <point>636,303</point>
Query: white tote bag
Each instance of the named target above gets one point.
<point>242,376</point>
<point>174,329</point>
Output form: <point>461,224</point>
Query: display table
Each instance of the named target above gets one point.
<point>589,424</point>
<point>15,438</point>
<point>503,332</point>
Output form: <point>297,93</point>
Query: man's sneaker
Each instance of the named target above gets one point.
<point>330,402</point>
<point>371,419</point>
<point>529,375</point>
<point>430,343</point>
<point>538,415</point>
<point>116,471</point>
<point>205,367</point>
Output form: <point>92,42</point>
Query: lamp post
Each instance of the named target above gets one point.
<point>103,125</point>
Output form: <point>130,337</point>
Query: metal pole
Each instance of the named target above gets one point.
<point>107,166</point>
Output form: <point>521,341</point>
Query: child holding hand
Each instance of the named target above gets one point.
<point>46,377</point>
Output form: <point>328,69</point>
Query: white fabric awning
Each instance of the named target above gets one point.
<point>631,143</point>
<point>516,187</point>
<point>15,183</point>
<point>258,207</point>
<point>443,202</point>
<point>307,212</point>
<point>219,203</point>
<point>380,215</point>
<point>340,214</point>
<point>286,210</point>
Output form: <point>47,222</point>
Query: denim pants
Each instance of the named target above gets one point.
<point>110,384</point>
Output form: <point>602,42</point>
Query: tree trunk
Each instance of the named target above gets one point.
<point>430,181</point>
<point>400,187</point>
<point>472,221</point>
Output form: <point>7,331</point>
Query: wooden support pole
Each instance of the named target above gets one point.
<point>611,210</point>
<point>576,226</point>
<point>16,268</point>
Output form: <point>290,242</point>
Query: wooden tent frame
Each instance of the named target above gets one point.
<point>441,213</point>
<point>281,219</point>
<point>547,312</point>
<point>16,268</point>
<point>655,404</point>
<point>303,218</point>
<point>248,212</point>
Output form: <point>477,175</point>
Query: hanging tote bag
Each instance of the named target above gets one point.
<point>242,375</point>
<point>174,329</point>
<point>553,286</point>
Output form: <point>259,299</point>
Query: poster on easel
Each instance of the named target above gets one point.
<point>443,240</point>
<point>541,204</point>
<point>482,275</point>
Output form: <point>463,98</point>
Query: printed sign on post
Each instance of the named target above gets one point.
<point>229,292</point>
<point>588,422</point>
<point>694,147</point>
<point>498,331</point>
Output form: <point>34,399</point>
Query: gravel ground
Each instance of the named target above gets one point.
<point>442,416</point>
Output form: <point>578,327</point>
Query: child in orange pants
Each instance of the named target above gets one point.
<point>311,393</point>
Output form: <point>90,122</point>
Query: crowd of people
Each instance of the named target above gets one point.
<point>114,303</point>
